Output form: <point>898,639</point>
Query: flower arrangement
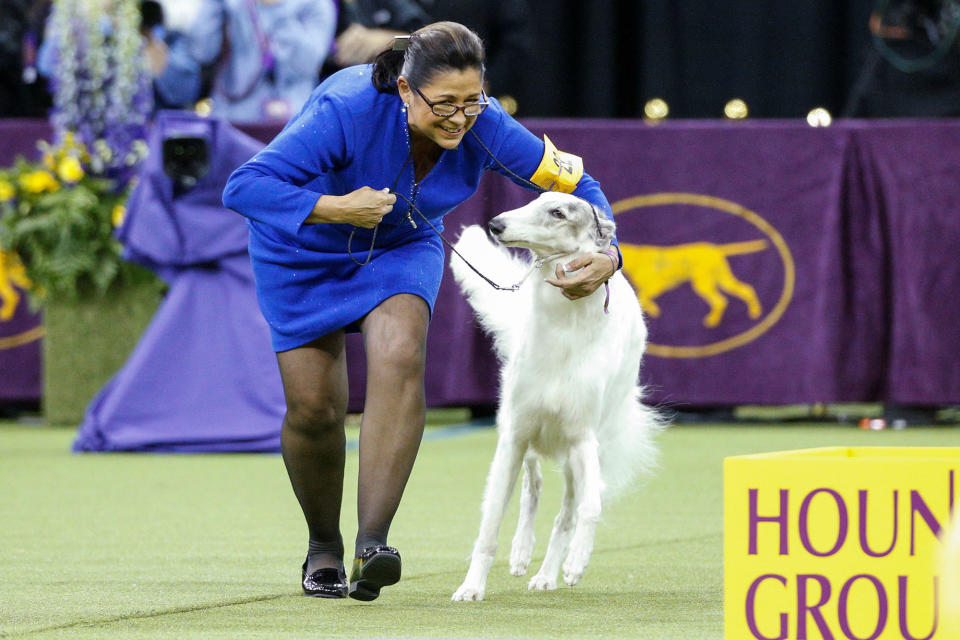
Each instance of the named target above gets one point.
<point>59,213</point>
<point>59,218</point>
<point>102,89</point>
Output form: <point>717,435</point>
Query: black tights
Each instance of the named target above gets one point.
<point>315,385</point>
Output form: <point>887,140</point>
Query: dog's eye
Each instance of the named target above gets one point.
<point>556,213</point>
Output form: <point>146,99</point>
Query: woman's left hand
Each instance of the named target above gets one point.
<point>583,275</point>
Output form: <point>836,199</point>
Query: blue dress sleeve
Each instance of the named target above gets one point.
<point>521,152</point>
<point>270,187</point>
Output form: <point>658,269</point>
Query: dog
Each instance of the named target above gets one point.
<point>656,270</point>
<point>568,384</point>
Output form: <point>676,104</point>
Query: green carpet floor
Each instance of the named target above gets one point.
<point>210,546</point>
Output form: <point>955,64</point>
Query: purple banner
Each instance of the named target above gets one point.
<point>915,173</point>
<point>21,332</point>
<point>20,336</point>
<point>777,263</point>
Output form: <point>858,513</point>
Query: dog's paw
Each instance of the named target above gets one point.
<point>571,577</point>
<point>520,554</point>
<point>576,563</point>
<point>574,567</point>
<point>542,583</point>
<point>468,593</point>
<point>519,567</point>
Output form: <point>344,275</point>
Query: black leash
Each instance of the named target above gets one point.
<point>536,265</point>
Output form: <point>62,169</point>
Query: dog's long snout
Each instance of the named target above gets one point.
<point>496,226</point>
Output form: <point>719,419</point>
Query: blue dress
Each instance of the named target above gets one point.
<point>349,135</point>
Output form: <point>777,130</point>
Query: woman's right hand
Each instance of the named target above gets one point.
<point>364,207</point>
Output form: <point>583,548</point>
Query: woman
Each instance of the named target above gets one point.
<point>334,251</point>
<point>267,54</point>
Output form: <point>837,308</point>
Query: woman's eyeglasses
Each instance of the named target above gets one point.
<point>446,110</point>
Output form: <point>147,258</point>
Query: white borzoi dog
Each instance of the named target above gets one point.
<point>568,384</point>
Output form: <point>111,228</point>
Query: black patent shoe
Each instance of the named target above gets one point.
<point>374,568</point>
<point>325,583</point>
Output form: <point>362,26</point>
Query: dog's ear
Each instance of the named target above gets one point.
<point>605,226</point>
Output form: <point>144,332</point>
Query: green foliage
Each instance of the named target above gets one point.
<point>59,218</point>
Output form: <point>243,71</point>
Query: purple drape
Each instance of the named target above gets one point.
<point>203,376</point>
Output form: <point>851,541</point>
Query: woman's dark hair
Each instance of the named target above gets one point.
<point>441,46</point>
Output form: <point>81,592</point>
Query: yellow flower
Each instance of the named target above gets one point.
<point>39,181</point>
<point>7,191</point>
<point>49,161</point>
<point>70,170</point>
<point>118,215</point>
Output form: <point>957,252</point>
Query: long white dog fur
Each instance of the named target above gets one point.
<point>568,384</point>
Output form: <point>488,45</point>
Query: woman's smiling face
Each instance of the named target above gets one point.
<point>452,87</point>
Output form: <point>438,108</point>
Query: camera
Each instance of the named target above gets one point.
<point>186,159</point>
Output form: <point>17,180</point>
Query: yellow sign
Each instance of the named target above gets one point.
<point>558,170</point>
<point>707,259</point>
<point>836,543</point>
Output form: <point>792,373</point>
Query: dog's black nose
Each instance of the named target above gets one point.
<point>496,226</point>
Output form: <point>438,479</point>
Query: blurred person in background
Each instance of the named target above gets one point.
<point>176,75</point>
<point>179,15</point>
<point>367,27</point>
<point>913,66</point>
<point>266,55</point>
<point>23,92</point>
<point>505,26</point>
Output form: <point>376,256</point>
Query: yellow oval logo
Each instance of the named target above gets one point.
<point>13,281</point>
<point>654,270</point>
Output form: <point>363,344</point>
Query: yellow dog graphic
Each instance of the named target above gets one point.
<point>11,273</point>
<point>656,270</point>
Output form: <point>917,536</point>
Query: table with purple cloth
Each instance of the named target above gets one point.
<point>778,263</point>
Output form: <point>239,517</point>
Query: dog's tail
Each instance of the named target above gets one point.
<point>629,451</point>
<point>493,308</point>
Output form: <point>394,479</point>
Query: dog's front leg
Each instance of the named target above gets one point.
<point>522,548</point>
<point>500,483</point>
<point>546,577</point>
<point>584,463</point>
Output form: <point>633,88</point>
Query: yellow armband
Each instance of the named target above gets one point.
<point>558,170</point>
